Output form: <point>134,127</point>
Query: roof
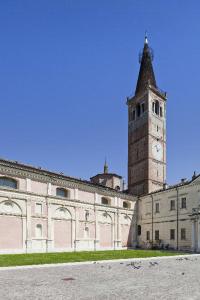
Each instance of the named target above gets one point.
<point>146,73</point>
<point>170,187</point>
<point>19,165</point>
<point>106,175</point>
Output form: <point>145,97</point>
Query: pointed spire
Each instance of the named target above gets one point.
<point>105,167</point>
<point>146,73</point>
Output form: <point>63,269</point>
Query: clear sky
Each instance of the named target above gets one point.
<point>67,66</point>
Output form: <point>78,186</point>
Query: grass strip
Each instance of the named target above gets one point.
<point>7,260</point>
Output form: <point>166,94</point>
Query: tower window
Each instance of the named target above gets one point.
<point>138,110</point>
<point>133,115</point>
<point>153,106</point>
<point>157,107</point>
<point>143,108</point>
<point>139,230</point>
<point>161,112</point>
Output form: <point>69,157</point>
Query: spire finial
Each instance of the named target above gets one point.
<point>105,167</point>
<point>145,38</point>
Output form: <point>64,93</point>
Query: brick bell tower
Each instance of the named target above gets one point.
<point>146,131</point>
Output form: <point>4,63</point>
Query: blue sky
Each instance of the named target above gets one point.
<point>66,68</point>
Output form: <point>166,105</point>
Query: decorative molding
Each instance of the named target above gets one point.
<point>9,168</point>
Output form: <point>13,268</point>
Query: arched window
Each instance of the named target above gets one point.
<point>153,106</point>
<point>105,201</point>
<point>161,111</point>
<point>38,231</point>
<point>61,192</point>
<point>117,188</point>
<point>126,204</point>
<point>138,108</point>
<point>8,182</point>
<point>157,107</point>
<point>139,230</point>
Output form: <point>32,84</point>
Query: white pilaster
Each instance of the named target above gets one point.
<point>49,192</point>
<point>76,194</point>
<point>198,235</point>
<point>28,226</point>
<point>96,241</point>
<point>28,185</point>
<point>49,228</point>
<point>193,236</point>
<point>76,241</point>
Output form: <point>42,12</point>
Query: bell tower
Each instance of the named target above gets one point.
<point>146,130</point>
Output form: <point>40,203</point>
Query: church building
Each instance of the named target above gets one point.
<point>44,211</point>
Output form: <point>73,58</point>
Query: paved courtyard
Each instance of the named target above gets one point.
<point>159,278</point>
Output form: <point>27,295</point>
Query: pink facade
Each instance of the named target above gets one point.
<point>62,234</point>
<point>11,232</point>
<point>106,236</point>
<point>33,218</point>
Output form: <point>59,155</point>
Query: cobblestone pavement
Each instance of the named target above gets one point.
<point>158,278</point>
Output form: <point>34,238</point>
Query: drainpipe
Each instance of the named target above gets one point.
<point>152,220</point>
<point>177,219</point>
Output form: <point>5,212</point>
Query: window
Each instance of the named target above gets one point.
<point>172,234</point>
<point>156,235</point>
<point>183,234</point>
<point>143,108</point>
<point>117,188</point>
<point>172,205</point>
<point>133,115</point>
<point>138,110</point>
<point>153,106</point>
<point>148,235</point>
<point>183,202</point>
<point>62,192</point>
<point>105,201</point>
<point>139,230</point>
<point>157,207</point>
<point>126,204</point>
<point>157,110</point>
<point>8,182</point>
<point>38,231</point>
<point>161,112</point>
<point>38,208</point>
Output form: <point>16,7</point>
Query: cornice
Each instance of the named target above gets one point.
<point>15,170</point>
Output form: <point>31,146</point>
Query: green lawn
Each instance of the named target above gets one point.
<point>65,257</point>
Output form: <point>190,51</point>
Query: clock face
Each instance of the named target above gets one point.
<point>157,150</point>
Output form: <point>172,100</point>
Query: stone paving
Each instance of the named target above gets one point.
<point>159,278</point>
